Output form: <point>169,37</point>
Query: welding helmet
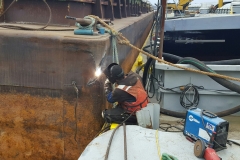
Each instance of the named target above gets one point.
<point>114,72</point>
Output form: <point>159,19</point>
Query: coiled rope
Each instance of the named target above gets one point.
<point>124,40</point>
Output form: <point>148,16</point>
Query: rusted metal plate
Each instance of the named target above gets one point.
<point>33,127</point>
<point>37,113</point>
<point>36,74</point>
<point>37,12</point>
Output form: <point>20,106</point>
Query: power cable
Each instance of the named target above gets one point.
<point>167,126</point>
<point>185,100</point>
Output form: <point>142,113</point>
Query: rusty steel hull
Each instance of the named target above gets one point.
<point>39,106</point>
<point>36,11</point>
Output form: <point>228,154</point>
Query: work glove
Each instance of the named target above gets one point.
<point>107,87</point>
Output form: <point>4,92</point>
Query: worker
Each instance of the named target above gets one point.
<point>128,93</point>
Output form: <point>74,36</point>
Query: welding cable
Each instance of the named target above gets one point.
<point>231,141</point>
<point>184,99</point>
<point>129,116</point>
<point>169,126</point>
<point>146,71</point>
<point>105,128</point>
<point>157,27</point>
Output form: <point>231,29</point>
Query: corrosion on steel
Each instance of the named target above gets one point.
<point>39,106</point>
<point>25,10</point>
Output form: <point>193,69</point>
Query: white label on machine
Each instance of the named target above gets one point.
<point>210,126</point>
<point>203,134</point>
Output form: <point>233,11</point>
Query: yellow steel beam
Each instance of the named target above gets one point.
<point>220,3</point>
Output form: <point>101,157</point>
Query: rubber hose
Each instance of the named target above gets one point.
<point>174,59</point>
<point>183,115</point>
<point>200,65</point>
<point>167,56</point>
<point>224,62</point>
<point>145,71</point>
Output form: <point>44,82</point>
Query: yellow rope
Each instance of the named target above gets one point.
<point>158,146</point>
<point>124,40</point>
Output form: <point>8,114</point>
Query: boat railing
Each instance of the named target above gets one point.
<point>223,11</point>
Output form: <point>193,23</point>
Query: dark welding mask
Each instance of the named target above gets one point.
<point>114,72</point>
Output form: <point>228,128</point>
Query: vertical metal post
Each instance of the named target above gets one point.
<point>1,6</point>
<point>220,3</point>
<point>117,9</point>
<point>98,9</point>
<point>109,10</point>
<point>128,8</point>
<point>163,3</point>
<point>124,9</point>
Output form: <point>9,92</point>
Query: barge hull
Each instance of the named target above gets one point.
<point>40,106</point>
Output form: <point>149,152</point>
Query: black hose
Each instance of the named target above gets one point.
<point>174,59</point>
<point>183,114</point>
<point>224,62</point>
<point>200,65</point>
<point>146,71</point>
<point>221,81</point>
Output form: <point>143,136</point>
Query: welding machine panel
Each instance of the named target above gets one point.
<point>194,127</point>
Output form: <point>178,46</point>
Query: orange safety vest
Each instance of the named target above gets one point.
<point>139,93</point>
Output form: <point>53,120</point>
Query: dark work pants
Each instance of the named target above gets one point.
<point>118,115</point>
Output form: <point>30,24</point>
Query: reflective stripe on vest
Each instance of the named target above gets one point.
<point>124,87</point>
<point>139,93</point>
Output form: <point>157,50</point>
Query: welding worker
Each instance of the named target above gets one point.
<point>129,94</point>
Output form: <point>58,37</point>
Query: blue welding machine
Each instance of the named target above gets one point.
<point>204,125</point>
